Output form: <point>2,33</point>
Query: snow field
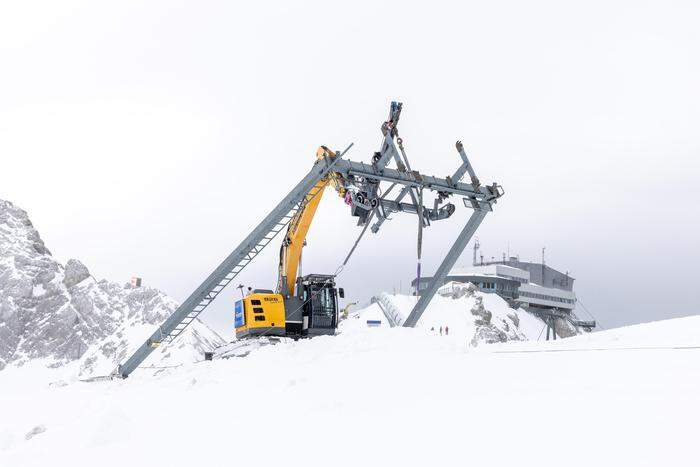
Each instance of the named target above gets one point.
<point>375,396</point>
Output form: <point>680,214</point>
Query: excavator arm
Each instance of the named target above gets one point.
<point>294,240</point>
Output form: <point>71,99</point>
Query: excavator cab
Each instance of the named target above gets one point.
<point>313,309</point>
<point>319,296</point>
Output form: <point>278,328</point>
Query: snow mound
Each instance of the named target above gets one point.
<point>466,316</point>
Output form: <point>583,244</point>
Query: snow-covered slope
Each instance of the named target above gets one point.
<point>468,315</point>
<point>59,314</point>
<point>377,396</point>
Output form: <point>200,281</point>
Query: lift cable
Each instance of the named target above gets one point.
<point>603,349</point>
<point>352,250</point>
<point>335,274</point>
<point>590,314</point>
<point>540,335</point>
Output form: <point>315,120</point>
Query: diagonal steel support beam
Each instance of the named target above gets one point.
<point>388,151</point>
<point>465,167</point>
<point>397,200</point>
<point>226,271</point>
<point>447,264</point>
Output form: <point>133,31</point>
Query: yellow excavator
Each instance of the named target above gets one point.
<point>302,306</point>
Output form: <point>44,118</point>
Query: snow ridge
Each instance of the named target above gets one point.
<point>468,314</point>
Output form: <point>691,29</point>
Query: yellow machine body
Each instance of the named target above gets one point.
<point>260,314</point>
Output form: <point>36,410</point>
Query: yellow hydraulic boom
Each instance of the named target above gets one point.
<point>290,252</point>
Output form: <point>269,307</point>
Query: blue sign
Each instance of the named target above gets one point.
<point>373,323</point>
<point>239,315</point>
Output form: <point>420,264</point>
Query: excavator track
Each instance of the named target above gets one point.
<point>242,348</point>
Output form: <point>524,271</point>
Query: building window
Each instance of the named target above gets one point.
<point>546,297</point>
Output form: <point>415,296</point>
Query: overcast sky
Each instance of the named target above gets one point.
<point>148,138</point>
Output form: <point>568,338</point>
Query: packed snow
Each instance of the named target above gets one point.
<point>376,396</point>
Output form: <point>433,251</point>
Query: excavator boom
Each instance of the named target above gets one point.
<point>294,240</point>
<point>290,254</point>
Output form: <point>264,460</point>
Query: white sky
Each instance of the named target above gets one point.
<point>149,138</point>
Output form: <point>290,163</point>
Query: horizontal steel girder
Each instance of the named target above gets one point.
<point>358,169</point>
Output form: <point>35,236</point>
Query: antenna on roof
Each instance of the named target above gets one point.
<point>544,284</point>
<point>477,245</point>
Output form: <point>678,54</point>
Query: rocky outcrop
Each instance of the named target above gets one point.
<point>564,329</point>
<point>467,290</point>
<point>74,273</point>
<point>483,316</point>
<point>488,332</point>
<point>59,313</point>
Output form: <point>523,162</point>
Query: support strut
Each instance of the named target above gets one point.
<point>444,268</point>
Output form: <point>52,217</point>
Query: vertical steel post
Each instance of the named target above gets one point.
<point>447,264</point>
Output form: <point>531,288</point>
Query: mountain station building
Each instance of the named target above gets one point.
<point>533,286</point>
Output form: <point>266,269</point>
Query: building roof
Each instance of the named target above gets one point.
<point>534,273</point>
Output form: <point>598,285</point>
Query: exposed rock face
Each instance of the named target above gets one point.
<point>503,326</point>
<point>483,315</point>
<point>465,291</point>
<point>487,329</point>
<point>488,332</point>
<point>488,335</point>
<point>514,318</point>
<point>74,273</point>
<point>57,313</point>
<point>564,329</point>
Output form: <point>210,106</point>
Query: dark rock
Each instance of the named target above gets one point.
<point>74,273</point>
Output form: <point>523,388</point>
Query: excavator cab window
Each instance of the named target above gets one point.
<point>341,292</point>
<point>324,301</point>
<point>321,303</point>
